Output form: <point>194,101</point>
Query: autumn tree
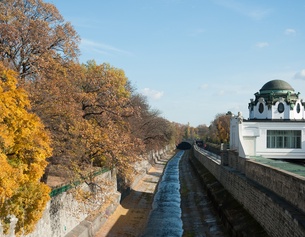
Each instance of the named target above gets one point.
<point>55,99</point>
<point>36,42</point>
<point>95,119</point>
<point>194,133</point>
<point>203,131</point>
<point>105,104</point>
<point>187,132</point>
<point>24,147</point>
<point>83,107</point>
<point>33,34</point>
<point>178,132</point>
<point>148,125</point>
<point>219,130</point>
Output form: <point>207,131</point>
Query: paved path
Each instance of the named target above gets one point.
<point>131,216</point>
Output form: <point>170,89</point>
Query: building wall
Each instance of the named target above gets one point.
<point>301,114</point>
<point>261,141</point>
<point>247,182</point>
<point>284,115</point>
<point>273,113</point>
<point>249,138</point>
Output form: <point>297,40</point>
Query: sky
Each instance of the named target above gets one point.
<point>194,59</point>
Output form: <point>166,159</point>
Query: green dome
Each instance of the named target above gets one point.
<point>273,92</point>
<point>276,85</point>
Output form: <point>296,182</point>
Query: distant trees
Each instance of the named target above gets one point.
<point>146,124</point>
<point>203,131</point>
<point>179,132</point>
<point>218,131</point>
<point>222,124</point>
<point>24,147</point>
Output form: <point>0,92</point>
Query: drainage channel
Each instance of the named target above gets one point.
<point>165,216</point>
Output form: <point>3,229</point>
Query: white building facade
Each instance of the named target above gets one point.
<point>276,125</point>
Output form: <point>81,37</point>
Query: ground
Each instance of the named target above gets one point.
<point>198,215</point>
<point>131,216</point>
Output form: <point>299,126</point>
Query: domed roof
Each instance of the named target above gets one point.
<point>276,85</point>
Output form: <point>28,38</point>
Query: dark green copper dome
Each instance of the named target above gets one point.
<point>273,91</point>
<point>276,85</point>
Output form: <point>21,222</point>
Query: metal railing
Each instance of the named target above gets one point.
<point>64,188</point>
<point>216,158</point>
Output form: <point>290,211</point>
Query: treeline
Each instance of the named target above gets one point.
<point>60,117</point>
<point>217,132</point>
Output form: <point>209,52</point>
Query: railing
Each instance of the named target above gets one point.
<point>216,158</point>
<point>58,190</point>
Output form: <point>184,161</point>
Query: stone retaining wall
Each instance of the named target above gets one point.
<point>63,212</point>
<point>288,185</point>
<point>277,216</point>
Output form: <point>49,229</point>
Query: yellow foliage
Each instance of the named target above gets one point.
<point>24,147</point>
<point>28,204</point>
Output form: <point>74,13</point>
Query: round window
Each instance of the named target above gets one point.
<point>261,108</point>
<point>281,107</point>
<point>298,108</point>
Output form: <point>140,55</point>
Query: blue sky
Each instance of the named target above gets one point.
<point>194,59</point>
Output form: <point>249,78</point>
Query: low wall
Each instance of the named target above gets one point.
<point>276,215</point>
<point>287,185</point>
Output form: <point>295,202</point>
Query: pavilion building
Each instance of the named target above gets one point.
<point>276,125</point>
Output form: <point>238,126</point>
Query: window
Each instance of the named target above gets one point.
<point>298,108</point>
<point>283,138</point>
<point>261,108</point>
<point>281,107</point>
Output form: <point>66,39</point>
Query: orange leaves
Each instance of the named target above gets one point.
<point>104,91</point>
<point>220,128</point>
<point>27,204</point>
<point>24,147</point>
<point>105,104</point>
<point>9,179</point>
<point>32,34</point>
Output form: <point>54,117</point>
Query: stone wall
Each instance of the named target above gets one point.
<point>277,216</point>
<point>63,212</point>
<point>287,185</point>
